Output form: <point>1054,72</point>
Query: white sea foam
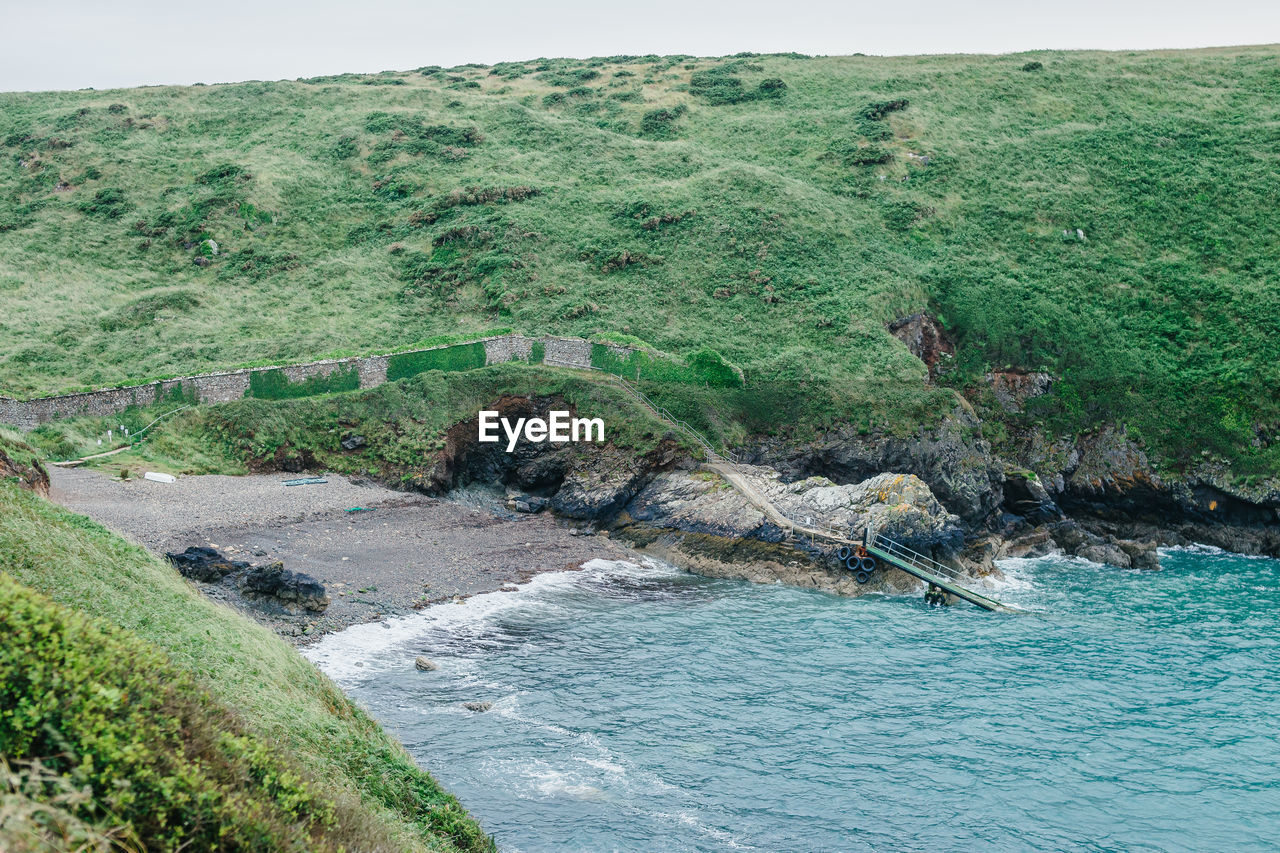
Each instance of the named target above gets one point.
<point>361,650</point>
<point>1208,551</point>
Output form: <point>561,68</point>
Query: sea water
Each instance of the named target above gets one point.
<point>636,707</point>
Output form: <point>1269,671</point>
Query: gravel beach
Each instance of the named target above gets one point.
<point>396,553</point>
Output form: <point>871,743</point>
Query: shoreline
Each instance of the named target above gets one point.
<point>399,554</point>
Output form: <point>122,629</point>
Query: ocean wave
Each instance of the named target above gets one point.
<point>360,651</point>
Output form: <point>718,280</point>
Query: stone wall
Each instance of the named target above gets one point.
<point>234,385</point>
<point>567,352</point>
<point>508,348</point>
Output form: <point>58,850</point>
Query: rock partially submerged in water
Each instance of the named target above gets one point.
<point>424,664</point>
<point>478,707</point>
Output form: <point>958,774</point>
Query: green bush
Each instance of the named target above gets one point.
<point>537,352</point>
<point>877,110</point>
<point>661,123</point>
<point>460,357</point>
<point>108,202</point>
<point>163,761</point>
<point>275,385</point>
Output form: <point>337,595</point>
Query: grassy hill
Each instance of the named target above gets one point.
<point>134,710</point>
<point>1107,217</point>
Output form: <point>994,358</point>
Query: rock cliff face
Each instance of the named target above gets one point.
<point>953,460</point>
<point>1107,482</point>
<point>582,481</point>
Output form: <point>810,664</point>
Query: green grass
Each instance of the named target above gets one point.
<point>691,203</point>
<point>286,706</point>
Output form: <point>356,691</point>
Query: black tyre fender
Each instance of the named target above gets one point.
<point>853,563</point>
<point>862,576</point>
<point>868,564</point>
<point>843,553</point>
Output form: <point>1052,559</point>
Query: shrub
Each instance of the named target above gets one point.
<point>163,765</point>
<point>143,311</point>
<point>867,155</point>
<point>877,110</point>
<point>224,172</point>
<point>661,123</point>
<point>720,86</point>
<point>109,202</point>
<point>460,357</point>
<point>774,87</point>
<point>1034,65</point>
<point>471,196</point>
<point>717,86</point>
<point>345,148</point>
<point>574,77</point>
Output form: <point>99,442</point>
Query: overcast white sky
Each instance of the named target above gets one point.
<point>73,44</point>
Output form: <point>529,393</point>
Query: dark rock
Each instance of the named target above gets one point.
<point>353,442</point>
<point>1105,553</point>
<point>292,590</point>
<point>478,707</point>
<point>1038,542</point>
<point>201,261</point>
<point>953,460</point>
<point>926,339</point>
<point>1142,555</point>
<point>1025,496</point>
<point>605,481</point>
<point>1070,536</point>
<point>529,503</point>
<point>205,564</point>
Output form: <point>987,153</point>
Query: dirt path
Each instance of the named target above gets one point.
<point>405,550</point>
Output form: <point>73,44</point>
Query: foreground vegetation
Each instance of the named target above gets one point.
<point>1102,216</point>
<point>136,711</point>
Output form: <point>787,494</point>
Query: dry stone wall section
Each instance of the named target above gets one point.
<point>234,385</point>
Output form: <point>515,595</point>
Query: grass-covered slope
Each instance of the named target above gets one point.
<point>778,208</point>
<point>211,722</point>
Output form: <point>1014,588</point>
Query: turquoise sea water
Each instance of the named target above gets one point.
<point>636,707</point>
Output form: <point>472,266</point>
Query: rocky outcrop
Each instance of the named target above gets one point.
<point>269,587</point>
<point>953,460</point>
<point>1013,388</point>
<point>276,586</point>
<point>32,476</point>
<point>205,565</point>
<point>1106,480</point>
<point>701,522</point>
<point>926,339</point>
<point>599,486</point>
<point>581,481</point>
